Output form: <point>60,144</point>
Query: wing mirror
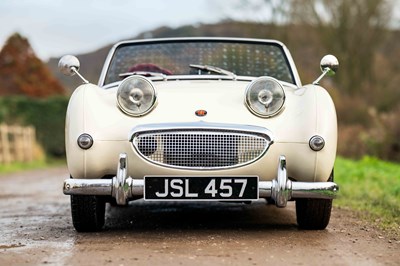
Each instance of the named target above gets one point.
<point>69,66</point>
<point>329,66</point>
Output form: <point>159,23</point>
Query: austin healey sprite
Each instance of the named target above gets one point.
<point>200,119</point>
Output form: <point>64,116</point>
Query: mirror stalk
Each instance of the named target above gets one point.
<point>79,75</point>
<point>326,71</point>
<point>329,66</point>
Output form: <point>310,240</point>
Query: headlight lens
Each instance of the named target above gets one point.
<point>136,96</point>
<point>265,96</point>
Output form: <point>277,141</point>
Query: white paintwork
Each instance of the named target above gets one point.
<point>308,111</point>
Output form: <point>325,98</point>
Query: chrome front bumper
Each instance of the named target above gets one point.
<point>122,187</point>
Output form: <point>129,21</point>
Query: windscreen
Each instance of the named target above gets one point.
<point>174,58</point>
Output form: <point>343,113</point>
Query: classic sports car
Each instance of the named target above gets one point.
<point>200,119</point>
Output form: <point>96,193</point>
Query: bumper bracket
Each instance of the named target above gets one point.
<point>123,187</point>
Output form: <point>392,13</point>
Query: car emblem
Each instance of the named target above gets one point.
<point>201,112</point>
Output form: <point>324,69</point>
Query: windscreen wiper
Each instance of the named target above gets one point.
<point>214,69</point>
<point>143,73</point>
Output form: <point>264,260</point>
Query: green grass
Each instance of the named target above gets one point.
<point>19,166</point>
<point>371,187</point>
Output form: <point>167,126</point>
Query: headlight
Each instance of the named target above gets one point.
<point>265,96</point>
<point>136,96</point>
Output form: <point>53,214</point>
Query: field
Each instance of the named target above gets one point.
<point>372,188</point>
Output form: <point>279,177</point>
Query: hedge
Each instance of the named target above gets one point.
<point>46,115</point>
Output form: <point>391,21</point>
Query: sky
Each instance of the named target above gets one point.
<point>58,27</point>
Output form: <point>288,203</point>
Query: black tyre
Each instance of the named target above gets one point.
<point>314,214</point>
<point>88,213</point>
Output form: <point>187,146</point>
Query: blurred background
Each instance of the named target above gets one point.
<point>363,34</point>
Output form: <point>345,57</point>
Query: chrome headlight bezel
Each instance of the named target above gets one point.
<point>136,96</point>
<point>265,91</point>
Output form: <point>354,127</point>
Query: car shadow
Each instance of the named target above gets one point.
<point>169,216</point>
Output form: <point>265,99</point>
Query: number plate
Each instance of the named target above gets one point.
<point>197,188</point>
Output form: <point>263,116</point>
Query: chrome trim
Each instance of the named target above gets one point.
<point>200,77</point>
<point>324,73</point>
<point>90,141</point>
<point>312,141</point>
<point>69,65</point>
<point>144,74</point>
<point>153,103</point>
<point>123,188</point>
<point>96,187</point>
<point>281,189</point>
<point>202,127</point>
<point>329,66</point>
<point>188,77</point>
<point>248,105</point>
<point>121,182</point>
<point>315,190</point>
<point>288,56</point>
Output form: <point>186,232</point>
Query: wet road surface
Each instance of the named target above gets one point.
<point>36,229</point>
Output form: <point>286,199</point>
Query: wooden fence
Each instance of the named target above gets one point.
<point>16,143</point>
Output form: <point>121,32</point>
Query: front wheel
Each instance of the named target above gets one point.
<point>88,213</point>
<point>313,214</point>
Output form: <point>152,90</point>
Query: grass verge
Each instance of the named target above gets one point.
<point>40,164</point>
<point>372,188</point>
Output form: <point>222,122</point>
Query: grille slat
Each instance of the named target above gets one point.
<point>200,149</point>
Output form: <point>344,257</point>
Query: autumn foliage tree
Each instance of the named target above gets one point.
<point>22,73</point>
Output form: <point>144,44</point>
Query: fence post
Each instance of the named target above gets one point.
<point>5,144</point>
<point>17,143</point>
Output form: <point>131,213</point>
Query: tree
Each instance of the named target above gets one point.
<point>352,30</point>
<point>22,73</point>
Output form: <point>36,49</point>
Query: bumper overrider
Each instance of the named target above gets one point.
<point>123,187</point>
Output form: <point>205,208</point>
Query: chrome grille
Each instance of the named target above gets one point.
<point>205,149</point>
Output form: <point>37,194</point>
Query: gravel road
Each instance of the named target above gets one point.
<point>36,229</point>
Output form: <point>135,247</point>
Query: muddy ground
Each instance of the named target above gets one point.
<point>36,229</point>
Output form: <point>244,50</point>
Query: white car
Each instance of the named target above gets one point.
<point>200,119</point>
